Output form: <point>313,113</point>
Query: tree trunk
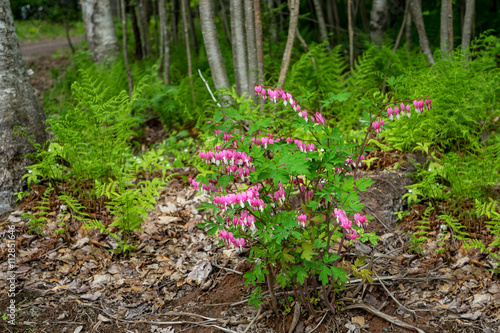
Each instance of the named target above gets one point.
<point>273,27</point>
<point>321,22</point>
<point>351,33</point>
<point>258,41</point>
<point>124,45</point>
<point>416,12</point>
<point>239,46</point>
<point>468,22</point>
<point>192,30</point>
<point>144,27</point>
<point>408,31</point>
<point>379,17</point>
<point>450,25</point>
<point>251,47</point>
<point>164,41</point>
<point>292,28</point>
<point>99,29</point>
<point>186,39</point>
<point>445,40</point>
<point>212,47</point>
<point>330,20</point>
<point>19,107</point>
<point>337,19</point>
<point>137,33</point>
<point>175,20</point>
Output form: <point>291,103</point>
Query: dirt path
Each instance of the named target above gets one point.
<point>31,50</point>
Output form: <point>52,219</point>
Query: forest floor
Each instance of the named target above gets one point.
<point>31,50</point>
<point>181,280</point>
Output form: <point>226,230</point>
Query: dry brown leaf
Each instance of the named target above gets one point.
<point>360,320</point>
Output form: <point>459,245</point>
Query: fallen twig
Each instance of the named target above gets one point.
<point>382,315</point>
<point>208,87</point>
<point>254,319</point>
<point>314,329</point>
<point>296,317</point>
<point>394,298</point>
<point>228,269</point>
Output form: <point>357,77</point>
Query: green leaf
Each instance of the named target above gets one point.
<point>307,251</point>
<point>339,273</point>
<point>324,274</point>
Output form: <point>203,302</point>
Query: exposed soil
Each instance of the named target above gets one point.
<point>181,280</point>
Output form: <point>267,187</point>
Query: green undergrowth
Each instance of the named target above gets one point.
<point>88,167</point>
<point>37,30</point>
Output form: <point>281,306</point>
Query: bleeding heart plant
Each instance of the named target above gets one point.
<point>294,200</point>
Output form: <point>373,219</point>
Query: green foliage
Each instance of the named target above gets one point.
<point>36,30</point>
<point>89,161</point>
<point>284,252</point>
<point>37,219</point>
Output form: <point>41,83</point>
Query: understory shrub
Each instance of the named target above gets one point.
<point>290,190</point>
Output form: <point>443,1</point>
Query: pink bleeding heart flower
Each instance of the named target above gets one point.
<point>390,113</point>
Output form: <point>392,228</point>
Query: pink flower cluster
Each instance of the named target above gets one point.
<point>246,219</point>
<point>251,196</point>
<point>345,223</point>
<point>304,147</point>
<point>240,171</point>
<point>402,109</point>
<point>210,188</point>
<point>229,156</point>
<point>226,137</point>
<point>264,141</point>
<point>274,95</point>
<point>355,163</point>
<point>302,220</point>
<point>280,194</point>
<point>229,239</point>
<point>378,126</point>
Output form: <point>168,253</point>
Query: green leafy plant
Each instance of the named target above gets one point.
<point>296,196</point>
<point>90,164</point>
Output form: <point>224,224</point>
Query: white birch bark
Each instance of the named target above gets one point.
<point>321,22</point>
<point>239,46</point>
<point>164,41</point>
<point>468,22</point>
<point>99,28</point>
<point>212,47</point>
<point>251,47</point>
<point>416,12</point>
<point>19,106</point>
<point>379,17</point>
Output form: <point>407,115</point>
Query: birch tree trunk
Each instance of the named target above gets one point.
<point>468,22</point>
<point>321,22</point>
<point>19,106</point>
<point>239,46</point>
<point>292,28</point>
<point>408,31</point>
<point>258,41</point>
<point>186,39</point>
<point>212,47</point>
<point>99,29</point>
<point>416,12</point>
<point>251,47</point>
<point>124,46</point>
<point>379,17</point>
<point>144,27</point>
<point>351,33</point>
<point>164,41</point>
<point>446,41</point>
